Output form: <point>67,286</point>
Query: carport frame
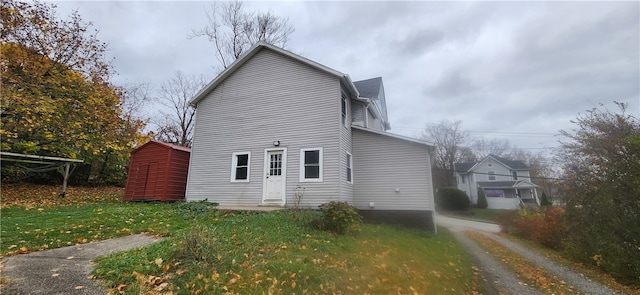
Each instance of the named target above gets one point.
<point>6,156</point>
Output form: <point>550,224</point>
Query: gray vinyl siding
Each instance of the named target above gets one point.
<point>374,123</point>
<point>383,164</point>
<point>270,97</point>
<point>346,189</point>
<point>502,173</point>
<point>357,113</point>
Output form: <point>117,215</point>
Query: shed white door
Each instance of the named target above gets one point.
<point>275,177</point>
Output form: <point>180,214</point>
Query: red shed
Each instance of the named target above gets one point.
<point>157,172</point>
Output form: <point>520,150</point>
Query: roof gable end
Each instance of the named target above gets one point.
<point>253,51</point>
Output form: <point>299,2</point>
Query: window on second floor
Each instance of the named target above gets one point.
<point>515,175</point>
<point>491,175</point>
<point>344,109</point>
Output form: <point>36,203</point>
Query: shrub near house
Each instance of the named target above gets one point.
<point>449,198</point>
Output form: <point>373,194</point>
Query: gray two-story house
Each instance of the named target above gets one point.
<point>506,183</point>
<point>274,125</point>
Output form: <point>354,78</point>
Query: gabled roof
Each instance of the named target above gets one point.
<point>463,167</point>
<point>163,144</point>
<point>262,46</point>
<point>369,88</point>
<point>513,164</point>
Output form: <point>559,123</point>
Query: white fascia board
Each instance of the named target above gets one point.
<point>350,84</point>
<point>396,136</point>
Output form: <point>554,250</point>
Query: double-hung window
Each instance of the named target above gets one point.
<point>515,175</point>
<point>349,168</point>
<point>311,165</point>
<point>491,175</point>
<point>240,165</point>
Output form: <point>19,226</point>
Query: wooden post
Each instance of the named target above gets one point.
<point>66,177</point>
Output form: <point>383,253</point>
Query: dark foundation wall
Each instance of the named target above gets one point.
<point>411,218</point>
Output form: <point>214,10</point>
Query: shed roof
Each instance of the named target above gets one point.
<point>506,184</point>
<point>396,136</point>
<point>163,144</point>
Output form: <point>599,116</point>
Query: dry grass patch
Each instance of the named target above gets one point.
<point>34,195</point>
<point>524,269</point>
<point>590,272</point>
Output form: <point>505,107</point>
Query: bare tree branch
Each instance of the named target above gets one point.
<point>177,126</point>
<point>232,30</point>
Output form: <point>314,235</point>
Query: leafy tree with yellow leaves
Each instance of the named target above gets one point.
<point>56,95</point>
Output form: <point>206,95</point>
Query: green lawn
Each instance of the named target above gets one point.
<point>271,253</point>
<point>33,229</point>
<point>212,252</point>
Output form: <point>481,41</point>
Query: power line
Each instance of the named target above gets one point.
<point>514,133</point>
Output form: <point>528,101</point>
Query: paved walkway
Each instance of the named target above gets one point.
<point>64,270</point>
<point>501,280</point>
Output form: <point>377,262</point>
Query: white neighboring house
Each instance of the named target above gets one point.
<point>506,183</point>
<point>275,123</point>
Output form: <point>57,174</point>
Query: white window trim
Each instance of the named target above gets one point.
<point>350,166</point>
<point>234,164</point>
<point>320,160</point>
<point>491,173</point>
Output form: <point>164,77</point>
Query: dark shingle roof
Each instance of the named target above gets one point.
<point>513,164</point>
<point>369,88</point>
<point>463,167</point>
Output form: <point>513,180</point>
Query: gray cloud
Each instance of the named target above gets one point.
<point>524,67</point>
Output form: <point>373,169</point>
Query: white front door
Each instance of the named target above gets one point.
<point>275,164</point>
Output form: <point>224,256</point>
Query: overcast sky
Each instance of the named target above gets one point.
<point>520,70</point>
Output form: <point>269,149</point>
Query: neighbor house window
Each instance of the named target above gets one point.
<point>492,175</point>
<point>462,178</point>
<point>349,168</point>
<point>515,175</point>
<point>311,165</point>
<point>240,167</point>
<point>344,110</point>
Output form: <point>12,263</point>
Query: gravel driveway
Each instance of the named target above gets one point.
<point>499,279</point>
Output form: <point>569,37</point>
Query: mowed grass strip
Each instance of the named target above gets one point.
<point>26,229</point>
<point>274,253</point>
<point>524,269</point>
